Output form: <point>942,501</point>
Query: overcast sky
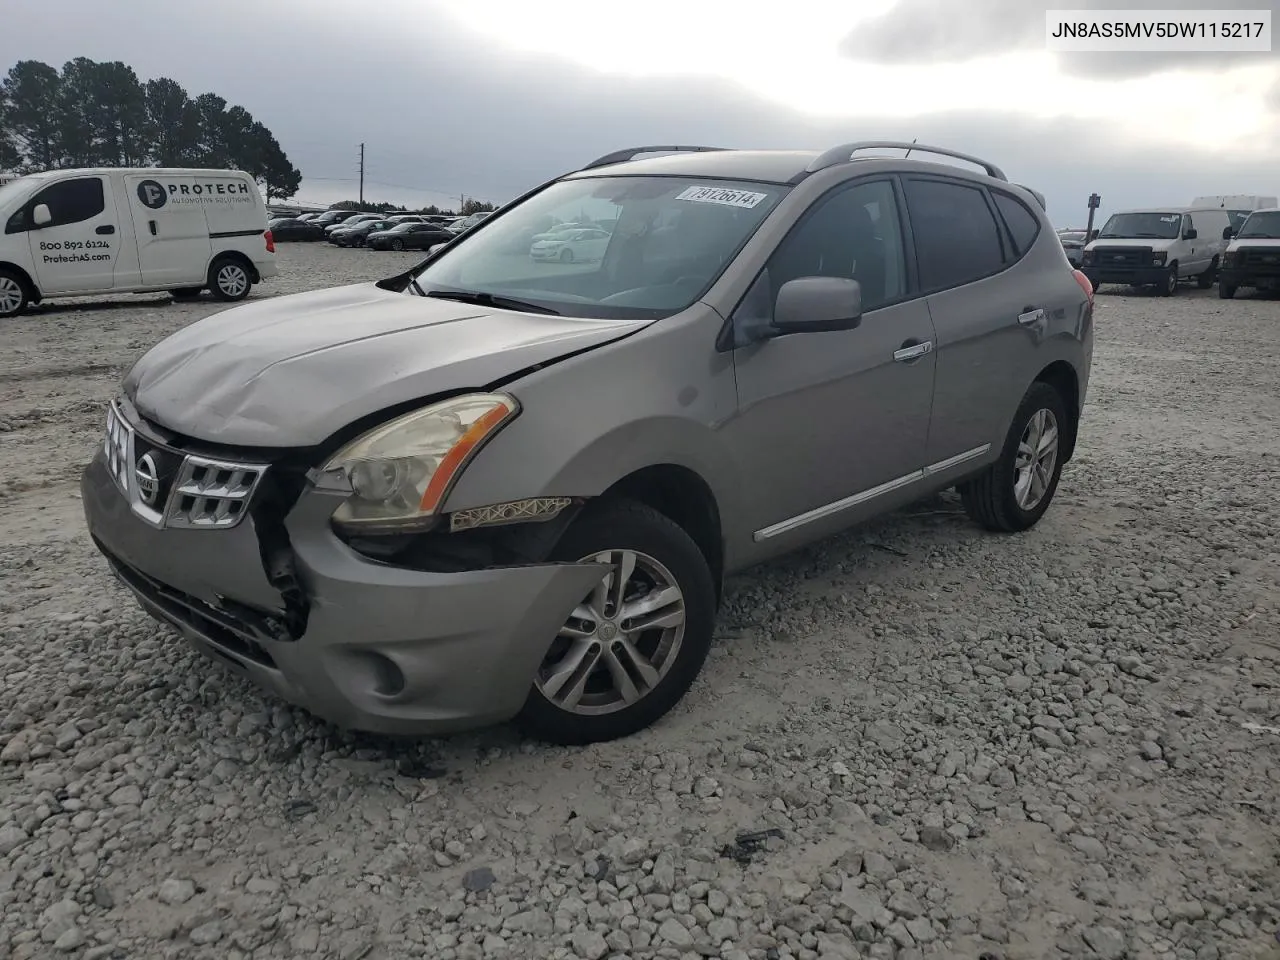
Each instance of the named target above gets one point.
<point>488,97</point>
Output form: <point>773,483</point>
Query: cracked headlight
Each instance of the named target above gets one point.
<point>401,471</point>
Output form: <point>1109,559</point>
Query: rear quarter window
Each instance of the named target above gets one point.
<point>1023,225</point>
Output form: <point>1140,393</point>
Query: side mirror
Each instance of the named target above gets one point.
<point>1190,234</point>
<point>41,216</point>
<point>817,305</point>
<point>1228,233</point>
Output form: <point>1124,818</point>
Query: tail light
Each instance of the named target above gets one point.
<point>1085,285</point>
<point>271,242</point>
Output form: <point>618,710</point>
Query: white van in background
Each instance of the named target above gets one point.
<point>75,233</point>
<point>1237,205</point>
<point>1253,256</point>
<point>1158,247</point>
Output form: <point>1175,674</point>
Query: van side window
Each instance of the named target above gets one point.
<point>1024,226</point>
<point>956,235</point>
<point>71,201</point>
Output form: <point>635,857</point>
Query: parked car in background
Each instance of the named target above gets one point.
<point>408,236</point>
<point>356,236</point>
<point>1073,243</point>
<point>462,224</point>
<point>331,217</point>
<point>79,232</point>
<point>479,489</point>
<point>295,229</point>
<point>1159,247</point>
<point>1253,255</point>
<point>587,244</point>
<point>351,221</point>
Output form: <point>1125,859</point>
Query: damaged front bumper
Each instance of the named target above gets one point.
<point>366,645</point>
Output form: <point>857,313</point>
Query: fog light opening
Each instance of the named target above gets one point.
<point>388,678</point>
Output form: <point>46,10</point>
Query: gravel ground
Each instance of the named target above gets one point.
<point>916,740</point>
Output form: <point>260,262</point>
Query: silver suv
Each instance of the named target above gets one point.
<point>494,487</point>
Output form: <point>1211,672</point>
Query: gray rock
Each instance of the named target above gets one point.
<point>176,890</point>
<point>674,932</point>
<point>1107,942</point>
<point>589,944</point>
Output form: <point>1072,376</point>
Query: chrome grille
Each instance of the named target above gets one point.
<point>205,493</point>
<point>211,493</point>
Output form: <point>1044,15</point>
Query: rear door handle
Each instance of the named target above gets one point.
<point>153,227</point>
<point>1030,315</point>
<point>105,230</point>
<point>912,351</point>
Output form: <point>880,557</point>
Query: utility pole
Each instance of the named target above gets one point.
<point>362,174</point>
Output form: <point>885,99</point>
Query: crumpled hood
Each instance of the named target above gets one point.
<point>291,371</point>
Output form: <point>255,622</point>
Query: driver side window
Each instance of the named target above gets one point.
<point>853,233</point>
<point>1187,224</point>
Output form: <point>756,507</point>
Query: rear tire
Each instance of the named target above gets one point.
<point>992,499</point>
<point>229,279</point>
<point>1226,291</point>
<point>662,661</point>
<point>14,295</point>
<point>187,293</point>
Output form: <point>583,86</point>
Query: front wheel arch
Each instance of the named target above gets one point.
<point>33,292</point>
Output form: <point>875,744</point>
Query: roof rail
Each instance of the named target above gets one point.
<point>845,152</point>
<point>622,156</point>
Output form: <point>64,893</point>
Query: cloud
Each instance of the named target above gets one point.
<point>443,111</point>
<point>933,31</point>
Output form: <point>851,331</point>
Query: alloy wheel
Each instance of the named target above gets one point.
<point>11,295</point>
<point>233,280</point>
<point>620,642</point>
<point>1037,456</point>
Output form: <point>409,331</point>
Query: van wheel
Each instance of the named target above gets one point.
<point>13,294</point>
<point>1014,492</point>
<point>1205,280</point>
<point>1226,290</point>
<point>187,293</point>
<point>229,279</point>
<point>1169,286</point>
<point>630,651</point>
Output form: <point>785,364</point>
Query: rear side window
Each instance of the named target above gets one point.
<point>71,201</point>
<point>1024,226</point>
<point>957,238</point>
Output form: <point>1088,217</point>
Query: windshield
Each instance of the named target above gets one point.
<point>672,239</point>
<point>1072,236</point>
<point>14,188</point>
<point>1155,226</point>
<point>1263,226</point>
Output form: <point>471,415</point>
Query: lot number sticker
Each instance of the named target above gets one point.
<point>722,195</point>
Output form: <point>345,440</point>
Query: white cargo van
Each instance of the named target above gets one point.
<point>1253,256</point>
<point>74,233</point>
<point>1159,246</point>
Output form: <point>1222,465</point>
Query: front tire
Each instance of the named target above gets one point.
<point>186,293</point>
<point>1226,291</point>
<point>1014,492</point>
<point>1169,286</point>
<point>631,650</point>
<point>397,245</point>
<point>566,256</point>
<point>229,279</point>
<point>1206,279</point>
<point>13,294</point>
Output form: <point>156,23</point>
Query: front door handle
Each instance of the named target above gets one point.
<point>153,227</point>
<point>105,230</point>
<point>912,351</point>
<point>1030,316</point>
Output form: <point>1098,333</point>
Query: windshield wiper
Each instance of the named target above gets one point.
<point>490,300</point>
